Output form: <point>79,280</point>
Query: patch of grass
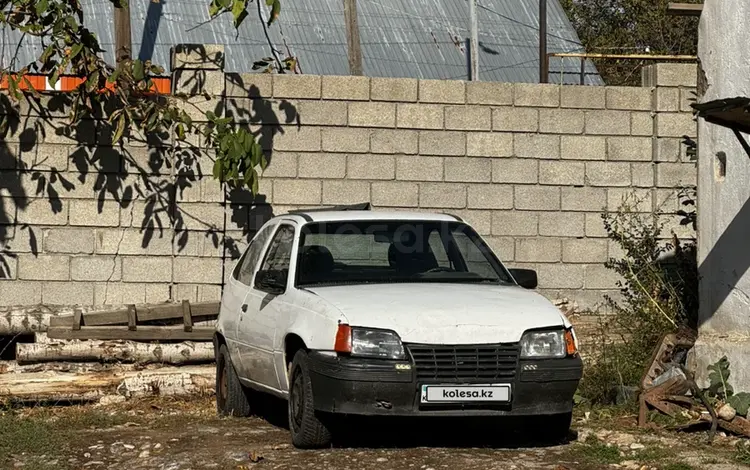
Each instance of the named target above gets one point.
<point>27,435</point>
<point>595,452</point>
<point>677,466</point>
<point>742,453</point>
<point>653,454</point>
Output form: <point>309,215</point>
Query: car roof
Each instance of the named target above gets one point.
<point>365,215</point>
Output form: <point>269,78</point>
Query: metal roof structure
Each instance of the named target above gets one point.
<point>400,38</point>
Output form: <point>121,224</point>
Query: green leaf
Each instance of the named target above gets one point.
<point>255,188</point>
<point>217,170</point>
<point>119,130</point>
<point>275,10</point>
<point>740,402</point>
<point>92,81</point>
<point>239,12</point>
<point>263,159</point>
<point>256,153</point>
<point>55,76</point>
<point>214,9</point>
<point>71,22</point>
<point>180,131</point>
<point>718,378</point>
<point>269,2</point>
<point>138,72</point>
<point>75,50</point>
<point>46,54</point>
<point>211,115</point>
<point>113,78</point>
<point>41,7</point>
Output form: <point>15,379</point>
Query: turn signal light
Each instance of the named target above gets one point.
<point>570,343</point>
<point>343,342</point>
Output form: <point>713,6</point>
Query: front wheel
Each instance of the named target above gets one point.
<point>308,432</point>
<point>231,396</point>
<point>556,428</point>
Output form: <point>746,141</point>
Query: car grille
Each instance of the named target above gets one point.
<point>465,363</point>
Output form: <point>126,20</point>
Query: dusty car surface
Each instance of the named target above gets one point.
<point>365,312</point>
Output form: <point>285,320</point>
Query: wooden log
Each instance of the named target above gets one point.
<point>13,367</point>
<point>116,351</point>
<point>23,322</point>
<point>143,333</point>
<point>146,313</point>
<point>51,386</point>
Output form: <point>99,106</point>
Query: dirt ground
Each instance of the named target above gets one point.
<point>170,434</point>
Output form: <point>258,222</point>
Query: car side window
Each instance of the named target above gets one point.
<point>246,267</point>
<point>280,251</point>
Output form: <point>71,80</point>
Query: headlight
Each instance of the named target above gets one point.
<point>368,342</point>
<point>543,344</point>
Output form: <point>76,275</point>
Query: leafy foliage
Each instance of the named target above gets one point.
<point>740,402</point>
<point>719,379</point>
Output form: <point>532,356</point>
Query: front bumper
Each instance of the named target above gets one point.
<point>378,387</point>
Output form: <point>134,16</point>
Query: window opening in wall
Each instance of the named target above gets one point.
<point>721,166</point>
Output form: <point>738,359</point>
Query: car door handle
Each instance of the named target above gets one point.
<point>244,307</point>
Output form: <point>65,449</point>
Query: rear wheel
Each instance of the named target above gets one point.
<point>307,430</point>
<point>231,396</point>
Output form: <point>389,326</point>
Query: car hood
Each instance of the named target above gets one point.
<point>439,313</point>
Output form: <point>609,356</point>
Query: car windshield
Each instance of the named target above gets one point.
<point>335,253</point>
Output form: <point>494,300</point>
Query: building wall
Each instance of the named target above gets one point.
<point>530,166</point>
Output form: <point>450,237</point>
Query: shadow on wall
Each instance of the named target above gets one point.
<point>144,176</point>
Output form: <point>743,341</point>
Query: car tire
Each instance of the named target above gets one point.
<point>231,395</point>
<point>556,428</point>
<point>308,432</point>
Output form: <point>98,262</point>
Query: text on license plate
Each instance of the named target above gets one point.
<point>465,393</point>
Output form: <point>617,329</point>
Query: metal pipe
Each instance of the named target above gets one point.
<point>543,58</point>
<point>623,56</point>
<point>474,43</point>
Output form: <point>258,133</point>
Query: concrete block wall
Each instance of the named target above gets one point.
<point>531,167</point>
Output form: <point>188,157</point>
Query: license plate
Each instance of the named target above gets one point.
<point>465,393</point>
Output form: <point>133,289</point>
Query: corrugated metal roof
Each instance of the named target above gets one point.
<point>400,38</point>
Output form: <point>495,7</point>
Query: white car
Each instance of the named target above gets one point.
<point>363,312</point>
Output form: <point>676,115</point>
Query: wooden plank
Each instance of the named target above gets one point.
<point>187,317</point>
<point>132,318</point>
<point>685,9</point>
<point>143,333</point>
<point>77,319</point>
<point>146,313</point>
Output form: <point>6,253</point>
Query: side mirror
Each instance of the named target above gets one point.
<point>525,278</point>
<point>273,282</point>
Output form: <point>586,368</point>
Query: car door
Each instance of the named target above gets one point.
<point>260,312</point>
<point>237,287</point>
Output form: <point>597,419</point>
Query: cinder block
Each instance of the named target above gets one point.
<point>198,56</point>
<point>43,267</point>
<point>42,212</point>
<point>197,270</point>
<point>468,118</point>
<point>324,113</point>
<point>503,247</point>
<point>42,157</point>
<point>538,250</point>
<point>490,196</point>
<point>351,88</point>
<point>281,165</point>
<point>608,122</point>
<point>667,150</point>
<point>561,121</point>
<point>394,89</point>
<point>489,144</point>
<point>468,170</point>
<point>515,119</point>
<point>614,250</point>
<point>515,223</point>
<point>537,198</point>
<point>442,91</point>
<point>584,250</point>
<point>394,141</point>
<point>643,174</point>
<point>687,98</point>
<point>574,147</point>
<point>119,293</point>
<point>489,93</point>
<point>675,125</point>
<point>297,86</point>
<point>667,201</point>
<point>480,220</point>
<point>152,242</point>
<point>562,224</point>
<point>584,199</point>
<point>676,75</point>
<point>69,240</point>
<point>515,170</point>
<point>629,148</point>
<point>197,106</point>
<point>560,276</point>
<point>629,98</point>
<point>346,140</point>
<point>442,195</point>
<point>413,168</point>
<point>95,213</point>
<point>673,175</point>
<point>395,194</point>
<point>198,82</point>
<point>95,268</point>
<point>297,192</point>
<point>321,165</point>
<point>536,146</point>
<point>248,85</point>
<point>582,97</point>
<point>450,143</point>
<point>561,172</point>
<point>147,269</point>
<point>667,100</point>
<point>599,277</point>
<point>536,95</point>
<point>642,124</point>
<point>371,167</point>
<point>208,293</point>
<point>372,114</point>
<point>68,293</point>
<point>345,192</point>
<point>674,226</point>
<point>187,292</point>
<point>200,215</point>
<point>11,157</point>
<point>595,226</point>
<point>639,200</point>
<point>420,116</point>
<point>13,292</point>
<point>608,173</point>
<point>9,267</point>
<point>298,139</point>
